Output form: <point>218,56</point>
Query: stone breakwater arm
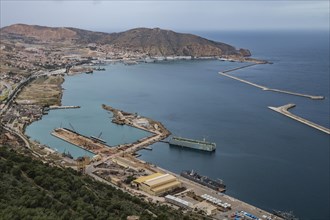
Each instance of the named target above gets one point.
<point>54,107</point>
<point>244,81</point>
<point>284,110</point>
<point>238,68</point>
<point>269,89</point>
<point>124,118</point>
<point>296,94</point>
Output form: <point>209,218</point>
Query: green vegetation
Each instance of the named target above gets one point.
<point>31,189</point>
<point>129,179</point>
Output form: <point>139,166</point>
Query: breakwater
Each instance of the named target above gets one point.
<point>238,68</point>
<point>269,89</point>
<point>54,107</point>
<point>284,110</point>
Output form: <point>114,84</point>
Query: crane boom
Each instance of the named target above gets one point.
<point>72,127</point>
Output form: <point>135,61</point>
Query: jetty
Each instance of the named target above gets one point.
<point>238,68</point>
<point>99,146</point>
<point>284,110</point>
<point>54,107</point>
<point>81,141</point>
<point>140,122</point>
<point>270,89</point>
<point>296,94</point>
<point>244,81</point>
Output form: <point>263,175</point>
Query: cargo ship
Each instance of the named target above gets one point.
<point>193,144</point>
<point>217,185</point>
<point>285,215</point>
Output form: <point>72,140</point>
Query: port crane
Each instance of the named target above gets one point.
<point>99,135</point>
<point>72,127</point>
<point>98,139</point>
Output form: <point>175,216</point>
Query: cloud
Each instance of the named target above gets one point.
<point>177,15</point>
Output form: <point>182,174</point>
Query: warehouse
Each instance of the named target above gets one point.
<point>157,183</point>
<point>178,202</point>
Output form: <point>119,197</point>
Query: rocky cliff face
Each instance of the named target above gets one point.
<point>154,42</point>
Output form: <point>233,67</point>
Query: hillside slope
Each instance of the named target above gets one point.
<point>33,190</point>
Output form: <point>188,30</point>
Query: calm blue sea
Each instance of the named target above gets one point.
<point>265,158</point>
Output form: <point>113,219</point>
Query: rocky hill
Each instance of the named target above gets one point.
<point>154,42</point>
<point>165,42</point>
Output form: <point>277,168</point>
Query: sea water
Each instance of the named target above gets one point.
<point>265,158</point>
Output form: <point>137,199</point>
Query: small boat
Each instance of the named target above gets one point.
<point>64,154</point>
<point>100,69</point>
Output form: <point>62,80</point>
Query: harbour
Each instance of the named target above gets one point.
<point>284,157</point>
<point>202,192</point>
<point>161,150</point>
<point>224,115</point>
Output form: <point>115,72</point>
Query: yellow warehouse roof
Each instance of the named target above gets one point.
<point>166,186</point>
<point>163,179</point>
<point>145,178</point>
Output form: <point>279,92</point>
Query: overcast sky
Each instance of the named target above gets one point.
<point>176,15</point>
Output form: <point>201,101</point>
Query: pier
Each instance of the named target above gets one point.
<point>244,81</point>
<point>269,89</point>
<point>238,68</point>
<point>54,107</point>
<point>284,110</point>
<point>81,141</point>
<point>163,141</point>
<point>296,94</point>
<point>157,130</point>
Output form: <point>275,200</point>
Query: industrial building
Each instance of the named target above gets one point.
<point>157,184</point>
<point>178,202</point>
<point>223,205</point>
<point>206,207</point>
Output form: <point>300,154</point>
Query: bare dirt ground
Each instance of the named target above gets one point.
<point>42,91</point>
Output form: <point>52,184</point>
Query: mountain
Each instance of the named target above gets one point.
<point>154,42</point>
<point>165,42</point>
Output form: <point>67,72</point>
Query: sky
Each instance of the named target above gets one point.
<point>109,16</point>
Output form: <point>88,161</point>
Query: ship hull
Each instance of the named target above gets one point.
<point>192,144</point>
<point>205,181</point>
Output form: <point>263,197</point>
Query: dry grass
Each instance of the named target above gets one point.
<point>43,91</point>
<point>14,70</point>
